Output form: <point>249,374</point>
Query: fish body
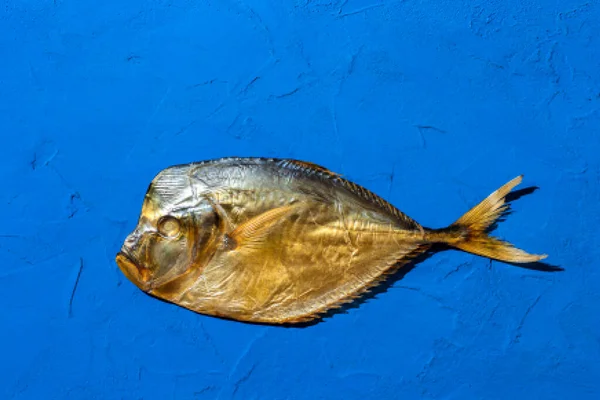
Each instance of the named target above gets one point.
<point>281,241</point>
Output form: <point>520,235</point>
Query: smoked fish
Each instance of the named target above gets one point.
<point>282,241</point>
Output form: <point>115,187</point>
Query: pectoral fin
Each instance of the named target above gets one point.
<point>254,231</point>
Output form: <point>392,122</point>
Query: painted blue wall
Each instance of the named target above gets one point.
<point>432,104</point>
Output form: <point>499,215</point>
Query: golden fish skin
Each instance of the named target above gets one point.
<point>281,241</point>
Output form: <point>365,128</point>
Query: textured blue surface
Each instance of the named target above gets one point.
<point>431,104</point>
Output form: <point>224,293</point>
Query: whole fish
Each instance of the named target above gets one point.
<point>282,241</point>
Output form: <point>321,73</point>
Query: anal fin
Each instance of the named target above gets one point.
<point>363,290</point>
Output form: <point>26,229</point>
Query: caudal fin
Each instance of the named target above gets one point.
<point>468,233</point>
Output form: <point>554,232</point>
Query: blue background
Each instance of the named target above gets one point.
<point>431,104</point>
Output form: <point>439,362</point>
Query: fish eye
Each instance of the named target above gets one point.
<point>168,226</point>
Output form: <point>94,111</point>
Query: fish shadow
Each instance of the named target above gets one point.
<point>517,194</point>
<point>509,198</point>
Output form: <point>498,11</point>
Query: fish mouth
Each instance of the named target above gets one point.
<point>136,273</point>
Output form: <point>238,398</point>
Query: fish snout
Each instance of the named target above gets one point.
<point>136,273</point>
<point>133,243</point>
<point>132,240</point>
<point>130,265</point>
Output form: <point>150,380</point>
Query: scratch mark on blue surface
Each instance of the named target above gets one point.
<point>550,60</point>
<point>429,127</point>
<point>455,270</point>
<point>243,379</point>
<point>483,324</point>
<point>158,105</point>
<point>75,287</point>
<point>149,121</point>
<point>133,58</point>
<point>216,110</point>
<point>211,343</point>
<point>185,128</point>
<point>205,389</point>
<point>245,89</point>
<point>336,131</point>
<point>254,15</point>
<point>360,10</point>
<point>291,92</point>
<point>423,128</point>
<point>341,9</point>
<point>30,264</point>
<point>391,181</point>
<point>40,153</point>
<point>34,76</point>
<point>517,335</point>
<point>333,108</point>
<point>208,82</point>
<point>73,209</point>
<point>242,357</point>
<point>437,299</point>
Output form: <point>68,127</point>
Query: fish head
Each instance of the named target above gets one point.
<point>173,234</point>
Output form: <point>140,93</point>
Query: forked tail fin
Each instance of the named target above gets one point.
<point>469,234</point>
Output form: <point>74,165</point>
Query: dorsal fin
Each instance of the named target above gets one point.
<point>358,190</point>
<point>307,166</point>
